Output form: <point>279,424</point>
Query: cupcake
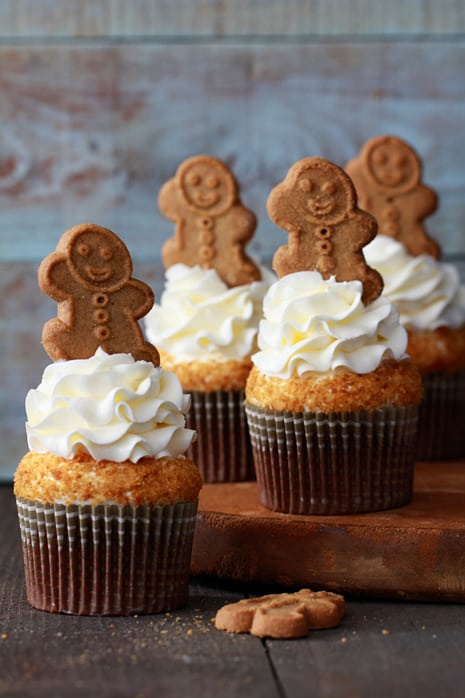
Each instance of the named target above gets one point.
<point>106,498</point>
<point>206,323</point>
<point>426,292</point>
<point>332,399</point>
<point>431,303</point>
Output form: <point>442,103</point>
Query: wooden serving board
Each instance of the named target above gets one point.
<point>413,552</point>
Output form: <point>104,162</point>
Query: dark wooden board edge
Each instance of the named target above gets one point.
<point>416,552</point>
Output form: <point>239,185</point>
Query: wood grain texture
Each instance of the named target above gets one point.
<point>91,133</point>
<point>206,18</point>
<point>404,649</point>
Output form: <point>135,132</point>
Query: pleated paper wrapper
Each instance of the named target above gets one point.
<point>338,463</point>
<point>222,451</point>
<point>441,428</point>
<point>106,559</point>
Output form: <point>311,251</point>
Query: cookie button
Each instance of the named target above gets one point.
<point>324,247</point>
<point>102,333</point>
<point>207,252</point>
<point>390,213</point>
<point>206,223</point>
<point>101,316</point>
<point>323,233</point>
<point>100,300</point>
<point>206,237</point>
<point>391,228</point>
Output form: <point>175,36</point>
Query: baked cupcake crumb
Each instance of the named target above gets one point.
<point>392,383</point>
<point>207,376</point>
<point>158,481</point>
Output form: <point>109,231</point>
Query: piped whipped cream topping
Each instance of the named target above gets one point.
<point>426,292</point>
<point>200,318</point>
<point>312,324</point>
<point>109,406</point>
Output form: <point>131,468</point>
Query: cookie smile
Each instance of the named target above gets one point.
<point>98,274</point>
<point>205,200</point>
<point>320,208</point>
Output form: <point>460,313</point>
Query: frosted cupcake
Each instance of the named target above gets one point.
<point>332,399</point>
<point>427,293</point>
<point>207,320</point>
<point>431,303</point>
<point>106,498</point>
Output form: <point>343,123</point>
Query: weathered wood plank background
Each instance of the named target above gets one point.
<point>101,100</point>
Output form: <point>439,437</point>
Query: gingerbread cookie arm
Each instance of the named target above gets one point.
<point>53,277</point>
<point>243,270</point>
<point>168,200</point>
<point>139,297</point>
<point>173,249</point>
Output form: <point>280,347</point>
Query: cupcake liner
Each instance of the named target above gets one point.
<point>106,559</point>
<point>338,463</point>
<point>222,451</point>
<point>441,433</point>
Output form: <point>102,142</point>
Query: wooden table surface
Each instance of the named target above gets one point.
<point>382,648</point>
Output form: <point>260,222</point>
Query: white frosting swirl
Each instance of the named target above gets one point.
<point>200,318</point>
<point>109,406</point>
<point>315,325</point>
<point>427,293</point>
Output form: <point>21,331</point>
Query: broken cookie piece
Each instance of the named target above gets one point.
<point>286,615</point>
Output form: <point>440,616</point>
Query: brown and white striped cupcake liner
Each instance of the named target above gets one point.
<point>106,559</point>
<point>338,463</point>
<point>441,429</point>
<point>222,451</point>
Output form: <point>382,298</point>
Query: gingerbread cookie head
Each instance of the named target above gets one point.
<point>206,184</point>
<point>99,303</point>
<point>96,258</point>
<point>316,204</point>
<point>392,164</point>
<point>388,177</point>
<point>319,190</point>
<point>212,224</point>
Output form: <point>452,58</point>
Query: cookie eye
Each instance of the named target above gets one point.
<point>83,249</point>
<point>212,182</point>
<point>305,184</point>
<point>399,160</point>
<point>328,188</point>
<point>106,254</point>
<point>193,178</point>
<point>380,157</point>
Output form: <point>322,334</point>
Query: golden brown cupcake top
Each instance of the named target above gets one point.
<point>392,384</point>
<point>49,478</point>
<point>207,376</point>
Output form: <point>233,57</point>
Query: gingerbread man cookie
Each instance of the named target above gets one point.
<point>317,205</point>
<point>99,303</point>
<point>212,224</point>
<point>387,176</point>
<point>286,615</point>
